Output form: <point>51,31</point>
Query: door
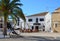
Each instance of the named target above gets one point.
<point>36,27</point>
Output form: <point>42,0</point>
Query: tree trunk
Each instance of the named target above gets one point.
<point>5,25</point>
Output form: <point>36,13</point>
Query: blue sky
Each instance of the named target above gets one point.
<point>36,6</point>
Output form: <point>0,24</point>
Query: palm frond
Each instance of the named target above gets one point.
<point>14,18</point>
<point>0,8</point>
<point>14,5</point>
<point>0,2</point>
<point>20,13</point>
<point>19,4</point>
<point>14,1</point>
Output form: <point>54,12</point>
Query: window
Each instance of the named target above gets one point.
<point>37,20</point>
<point>56,25</point>
<point>30,20</point>
<point>41,19</point>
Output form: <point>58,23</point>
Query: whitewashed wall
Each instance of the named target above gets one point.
<point>34,20</point>
<point>48,22</point>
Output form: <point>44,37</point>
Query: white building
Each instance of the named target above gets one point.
<point>40,21</point>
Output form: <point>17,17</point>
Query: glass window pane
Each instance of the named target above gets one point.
<point>41,19</point>
<point>30,20</point>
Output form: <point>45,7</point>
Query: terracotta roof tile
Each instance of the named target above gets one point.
<point>57,8</point>
<point>39,14</point>
<point>55,12</point>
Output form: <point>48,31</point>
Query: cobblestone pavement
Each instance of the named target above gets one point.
<point>39,36</point>
<point>48,34</point>
<point>31,38</point>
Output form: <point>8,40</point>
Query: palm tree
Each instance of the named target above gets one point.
<point>10,7</point>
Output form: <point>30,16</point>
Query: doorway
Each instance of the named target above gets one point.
<point>32,27</point>
<point>36,27</point>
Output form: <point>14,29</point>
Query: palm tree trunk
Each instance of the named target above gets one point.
<point>5,26</point>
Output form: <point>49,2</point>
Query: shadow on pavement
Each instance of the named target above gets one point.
<point>32,38</point>
<point>41,38</point>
